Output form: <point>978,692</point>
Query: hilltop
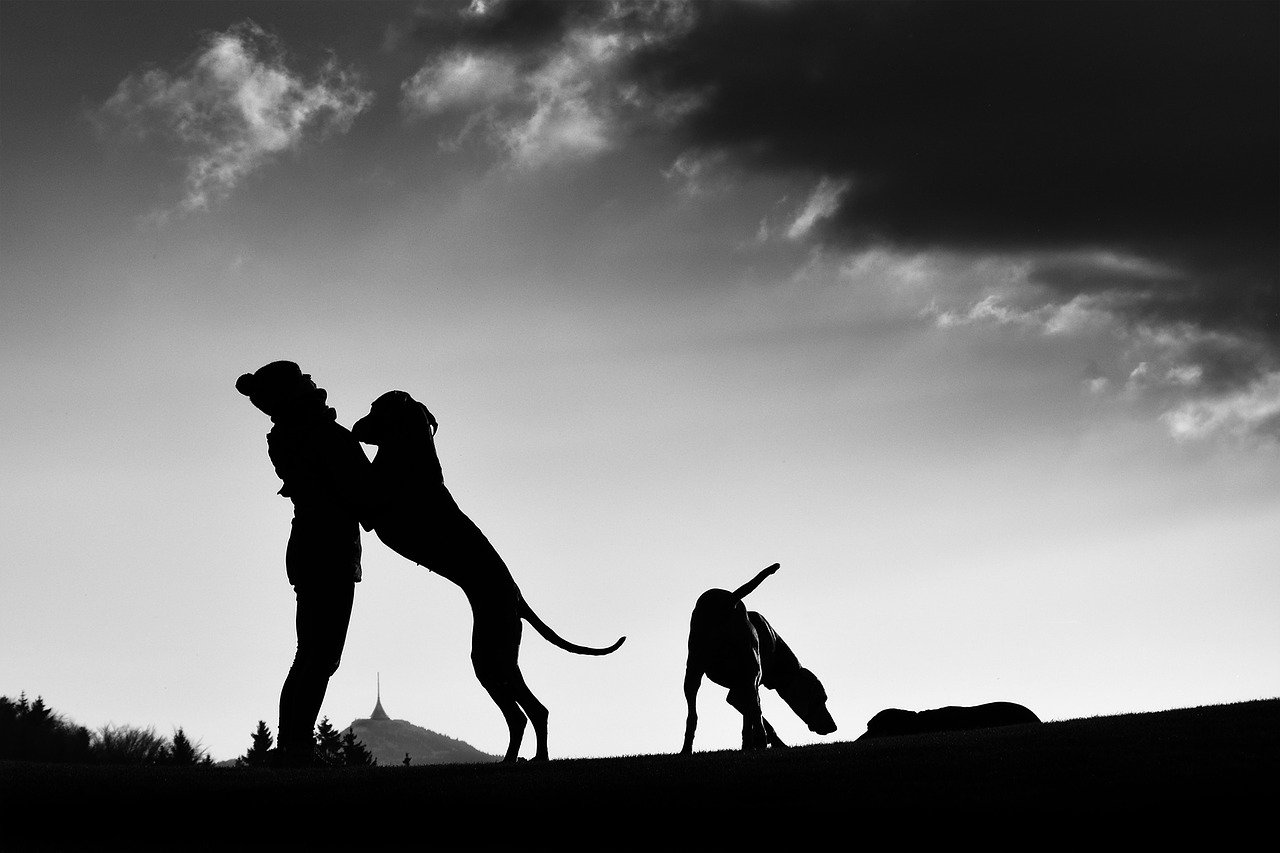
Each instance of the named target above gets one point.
<point>390,740</point>
<point>1193,777</point>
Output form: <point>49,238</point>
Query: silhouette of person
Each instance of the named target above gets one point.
<point>324,471</point>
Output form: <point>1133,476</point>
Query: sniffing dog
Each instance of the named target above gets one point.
<point>414,515</point>
<point>895,721</point>
<point>738,649</point>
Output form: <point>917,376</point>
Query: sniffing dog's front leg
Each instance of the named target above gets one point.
<point>692,681</point>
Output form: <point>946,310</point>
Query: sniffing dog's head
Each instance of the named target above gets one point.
<point>395,416</point>
<point>808,698</point>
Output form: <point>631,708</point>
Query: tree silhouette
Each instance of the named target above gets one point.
<point>183,753</point>
<point>328,745</point>
<point>33,732</point>
<point>38,715</point>
<point>355,753</point>
<point>260,749</point>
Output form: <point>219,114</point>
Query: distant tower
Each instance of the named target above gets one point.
<point>378,713</point>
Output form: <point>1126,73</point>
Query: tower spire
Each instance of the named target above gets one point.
<point>378,713</point>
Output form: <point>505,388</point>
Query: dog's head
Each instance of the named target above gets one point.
<point>808,698</point>
<point>394,417</point>
<point>891,721</point>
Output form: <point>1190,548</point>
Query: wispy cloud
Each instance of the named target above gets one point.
<point>1203,381</point>
<point>1248,412</point>
<point>459,80</point>
<point>232,108</point>
<point>697,173</point>
<point>823,202</point>
<point>561,96</point>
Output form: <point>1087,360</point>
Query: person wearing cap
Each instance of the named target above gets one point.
<point>324,471</point>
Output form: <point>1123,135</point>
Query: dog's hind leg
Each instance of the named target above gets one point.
<point>494,647</point>
<point>499,688</point>
<point>534,710</point>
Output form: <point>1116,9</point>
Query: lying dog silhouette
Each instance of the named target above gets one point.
<point>895,721</point>
<point>415,516</point>
<point>738,649</point>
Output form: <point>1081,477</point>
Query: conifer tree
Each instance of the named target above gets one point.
<point>355,753</point>
<point>38,716</point>
<point>328,745</point>
<point>32,731</point>
<point>183,753</point>
<point>262,742</point>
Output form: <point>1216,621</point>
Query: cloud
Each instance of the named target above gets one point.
<point>232,108</point>
<point>698,173</point>
<point>459,80</point>
<point>822,204</point>
<point>1246,413</point>
<point>1202,382</point>
<point>1113,165</point>
<point>997,126</point>
<point>542,83</point>
<point>571,115</point>
<point>1104,173</point>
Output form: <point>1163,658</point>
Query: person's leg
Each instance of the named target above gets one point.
<point>324,612</point>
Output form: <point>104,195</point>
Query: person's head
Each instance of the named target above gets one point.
<point>280,388</point>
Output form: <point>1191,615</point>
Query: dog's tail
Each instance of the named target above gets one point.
<point>555,639</point>
<point>742,591</point>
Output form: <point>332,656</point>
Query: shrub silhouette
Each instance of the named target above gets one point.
<point>130,745</point>
<point>31,731</point>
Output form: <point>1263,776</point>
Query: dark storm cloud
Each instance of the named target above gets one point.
<point>1122,157</point>
<point>1236,295</point>
<point>1150,129</point>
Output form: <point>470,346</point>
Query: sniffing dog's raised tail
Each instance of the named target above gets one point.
<point>555,639</point>
<point>746,589</point>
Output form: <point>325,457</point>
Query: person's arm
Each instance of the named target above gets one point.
<point>354,481</point>
<point>284,460</point>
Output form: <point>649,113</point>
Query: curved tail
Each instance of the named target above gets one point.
<point>555,639</point>
<point>745,590</point>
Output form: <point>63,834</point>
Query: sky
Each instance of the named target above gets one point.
<point>966,314</point>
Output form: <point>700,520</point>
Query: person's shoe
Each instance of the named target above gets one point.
<point>283,758</point>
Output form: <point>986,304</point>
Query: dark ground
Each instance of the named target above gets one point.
<point>1200,776</point>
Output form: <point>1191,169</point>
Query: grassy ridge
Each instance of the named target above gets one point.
<point>1191,775</point>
